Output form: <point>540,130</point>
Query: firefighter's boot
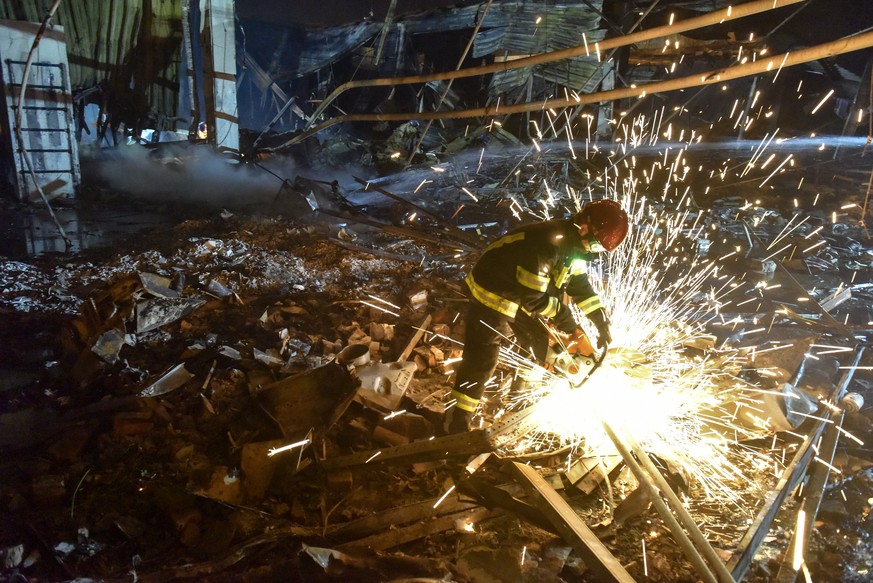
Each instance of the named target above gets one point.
<point>457,420</point>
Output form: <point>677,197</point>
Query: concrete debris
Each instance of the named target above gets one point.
<point>226,393</point>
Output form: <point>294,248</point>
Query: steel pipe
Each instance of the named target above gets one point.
<point>775,63</point>
<point>711,18</point>
<point>682,539</point>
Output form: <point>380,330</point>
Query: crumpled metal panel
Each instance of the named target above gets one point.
<point>291,53</point>
<point>489,41</point>
<point>313,399</point>
<point>531,29</point>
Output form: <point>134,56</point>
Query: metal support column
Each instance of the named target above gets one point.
<point>220,75</point>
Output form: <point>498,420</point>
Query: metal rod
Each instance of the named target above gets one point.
<point>715,17</point>
<point>597,557</point>
<point>681,512</point>
<point>678,534</point>
<point>457,232</point>
<point>814,53</point>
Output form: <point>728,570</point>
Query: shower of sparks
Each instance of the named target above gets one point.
<point>673,405</point>
<point>662,294</point>
<point>288,447</point>
<point>380,308</point>
<point>665,292</point>
<point>444,496</point>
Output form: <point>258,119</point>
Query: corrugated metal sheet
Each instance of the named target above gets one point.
<point>326,47</point>
<point>537,29</point>
<point>506,81</point>
<point>125,42</point>
<point>534,29</point>
<point>504,13</point>
<point>489,41</point>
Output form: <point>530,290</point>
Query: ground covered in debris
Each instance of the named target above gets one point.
<point>149,389</point>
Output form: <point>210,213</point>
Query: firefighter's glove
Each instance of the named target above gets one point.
<point>601,322</point>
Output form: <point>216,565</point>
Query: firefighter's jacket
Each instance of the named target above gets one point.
<point>530,268</point>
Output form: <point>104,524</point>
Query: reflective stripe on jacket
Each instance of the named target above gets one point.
<point>530,268</point>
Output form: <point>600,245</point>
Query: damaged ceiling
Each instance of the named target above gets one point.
<point>223,363</point>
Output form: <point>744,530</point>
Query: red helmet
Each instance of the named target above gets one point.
<point>607,220</point>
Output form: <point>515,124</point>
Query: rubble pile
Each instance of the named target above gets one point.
<point>183,377</point>
<point>183,409</point>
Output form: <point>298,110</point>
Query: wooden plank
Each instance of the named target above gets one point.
<point>596,556</point>
<point>587,473</point>
<point>413,342</point>
<point>400,515</point>
<point>458,444</point>
<point>491,496</point>
<point>399,536</point>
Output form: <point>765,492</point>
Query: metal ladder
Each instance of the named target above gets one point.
<point>46,129</point>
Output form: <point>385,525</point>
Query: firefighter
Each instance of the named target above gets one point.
<point>519,282</point>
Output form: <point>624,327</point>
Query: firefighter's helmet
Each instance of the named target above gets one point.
<point>607,220</point>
